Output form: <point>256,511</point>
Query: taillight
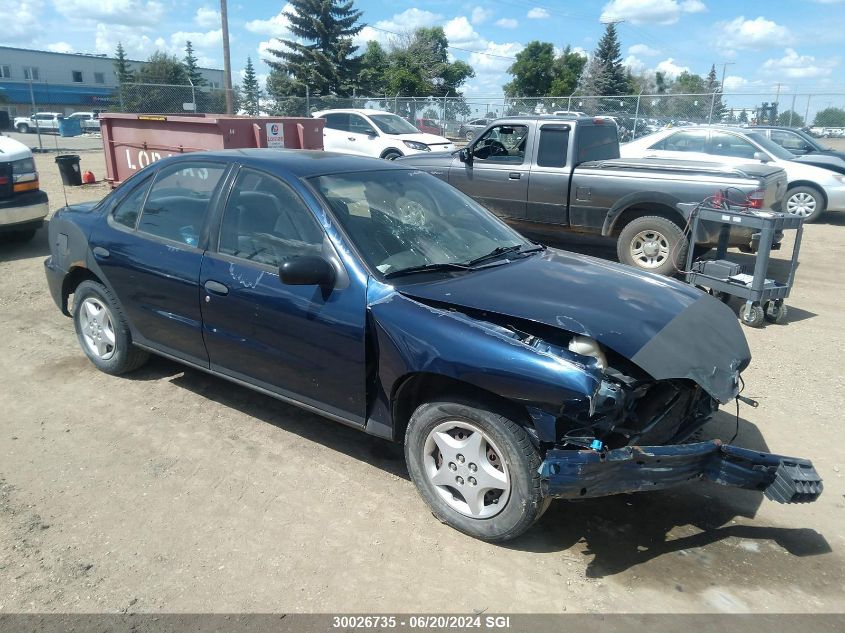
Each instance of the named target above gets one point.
<point>20,187</point>
<point>4,180</point>
<point>755,199</point>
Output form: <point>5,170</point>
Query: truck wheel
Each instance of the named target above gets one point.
<point>23,128</point>
<point>102,330</point>
<point>476,469</point>
<point>654,244</point>
<point>805,202</point>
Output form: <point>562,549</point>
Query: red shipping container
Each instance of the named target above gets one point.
<point>133,141</point>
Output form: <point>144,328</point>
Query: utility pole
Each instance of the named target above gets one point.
<point>724,70</point>
<point>227,65</point>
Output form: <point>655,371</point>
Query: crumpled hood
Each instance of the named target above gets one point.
<point>669,329</point>
<point>423,137</point>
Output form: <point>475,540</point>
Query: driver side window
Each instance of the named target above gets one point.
<point>502,144</point>
<point>359,125</point>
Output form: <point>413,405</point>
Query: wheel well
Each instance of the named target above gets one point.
<point>420,388</point>
<point>390,150</point>
<point>641,209</point>
<point>811,185</point>
<point>71,282</point>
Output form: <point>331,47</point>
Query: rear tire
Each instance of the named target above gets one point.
<point>805,202</point>
<point>653,244</point>
<point>23,128</point>
<point>102,330</point>
<point>486,459</point>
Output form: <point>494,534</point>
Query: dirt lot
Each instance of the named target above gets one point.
<point>174,491</point>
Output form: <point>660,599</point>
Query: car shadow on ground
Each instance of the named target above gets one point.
<point>38,246</point>
<point>624,531</point>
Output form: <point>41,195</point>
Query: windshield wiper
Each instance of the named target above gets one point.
<point>426,268</point>
<point>501,250</point>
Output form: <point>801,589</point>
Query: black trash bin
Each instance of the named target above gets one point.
<point>69,169</point>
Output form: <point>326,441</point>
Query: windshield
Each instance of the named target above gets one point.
<point>811,141</point>
<point>392,124</point>
<point>407,219</point>
<point>770,146</point>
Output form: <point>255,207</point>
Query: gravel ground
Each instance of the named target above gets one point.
<point>172,491</point>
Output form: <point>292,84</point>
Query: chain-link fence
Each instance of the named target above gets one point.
<point>171,99</point>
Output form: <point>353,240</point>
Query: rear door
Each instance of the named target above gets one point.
<point>548,183</point>
<point>305,343</point>
<point>150,249</point>
<point>497,176</point>
<point>336,132</point>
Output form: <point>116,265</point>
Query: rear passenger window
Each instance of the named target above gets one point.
<point>266,222</point>
<point>128,210</point>
<point>554,142</point>
<point>337,121</point>
<point>178,201</point>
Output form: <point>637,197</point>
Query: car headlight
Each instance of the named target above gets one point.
<point>422,147</point>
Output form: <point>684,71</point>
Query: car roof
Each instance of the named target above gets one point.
<point>351,111</point>
<point>299,163</point>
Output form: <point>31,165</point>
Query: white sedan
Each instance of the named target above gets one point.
<point>811,190</point>
<point>376,134</point>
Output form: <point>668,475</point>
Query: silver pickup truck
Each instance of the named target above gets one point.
<point>545,174</point>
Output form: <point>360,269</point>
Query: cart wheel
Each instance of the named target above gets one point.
<point>752,315</point>
<point>775,311</point>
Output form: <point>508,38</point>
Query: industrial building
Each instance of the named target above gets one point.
<point>62,82</point>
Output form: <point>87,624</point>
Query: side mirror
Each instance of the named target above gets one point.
<point>762,157</point>
<point>307,270</point>
<point>465,155</point>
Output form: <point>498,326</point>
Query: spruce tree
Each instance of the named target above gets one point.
<point>613,79</point>
<point>714,88</point>
<point>323,56</point>
<point>122,70</point>
<point>251,92</point>
<point>192,67</point>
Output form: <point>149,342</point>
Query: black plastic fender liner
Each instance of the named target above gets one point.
<point>571,474</point>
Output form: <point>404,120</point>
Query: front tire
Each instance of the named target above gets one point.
<point>391,154</point>
<point>805,202</point>
<point>475,468</point>
<point>653,244</point>
<point>102,330</point>
<point>23,128</point>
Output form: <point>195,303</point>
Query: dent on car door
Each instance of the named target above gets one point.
<point>303,342</point>
<point>149,249</point>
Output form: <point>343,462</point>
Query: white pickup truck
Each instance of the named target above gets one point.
<point>23,206</point>
<point>44,121</point>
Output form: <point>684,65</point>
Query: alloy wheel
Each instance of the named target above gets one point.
<point>97,327</point>
<point>649,249</point>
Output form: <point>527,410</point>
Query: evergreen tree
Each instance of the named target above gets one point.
<point>713,87</point>
<point>191,67</point>
<point>322,56</point>
<point>251,90</point>
<point>122,70</point>
<point>613,79</point>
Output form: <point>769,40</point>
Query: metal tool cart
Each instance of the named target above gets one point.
<point>763,296</point>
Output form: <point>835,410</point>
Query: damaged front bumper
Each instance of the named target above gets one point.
<point>579,474</point>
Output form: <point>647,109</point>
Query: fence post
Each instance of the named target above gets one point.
<point>807,112</point>
<point>792,109</point>
<point>120,95</point>
<point>307,100</point>
<point>636,115</point>
<point>712,105</point>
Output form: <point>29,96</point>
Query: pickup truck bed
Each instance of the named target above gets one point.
<point>547,174</point>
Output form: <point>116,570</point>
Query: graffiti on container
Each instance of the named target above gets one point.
<point>141,158</point>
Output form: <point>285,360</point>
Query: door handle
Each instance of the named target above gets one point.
<point>215,287</point>
<point>514,175</point>
<point>100,252</point>
<point>350,138</point>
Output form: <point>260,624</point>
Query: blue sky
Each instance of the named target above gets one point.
<point>796,43</point>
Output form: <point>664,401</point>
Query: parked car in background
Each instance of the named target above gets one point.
<point>44,121</point>
<point>546,174</point>
<point>88,120</point>
<point>382,298</point>
<point>376,134</point>
<point>812,190</point>
<point>568,113</point>
<point>472,127</point>
<point>429,126</point>
<point>23,206</point>
<point>805,148</point>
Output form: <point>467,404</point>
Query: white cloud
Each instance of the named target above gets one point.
<point>136,43</point>
<point>643,49</point>
<point>460,33</point>
<point>60,47</point>
<point>735,82</point>
<point>507,23</point>
<point>207,18</point>
<point>277,26</point>
<point>754,34</point>
<point>491,68</point>
<point>538,13</point>
<point>634,64</point>
<point>23,22</point>
<point>264,49</point>
<point>121,12</point>
<point>481,15</point>
<point>795,66</point>
<point>669,68</point>
<point>404,22</point>
<point>650,11</point>
<point>211,39</point>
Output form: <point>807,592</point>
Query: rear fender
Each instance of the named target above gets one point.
<point>656,198</point>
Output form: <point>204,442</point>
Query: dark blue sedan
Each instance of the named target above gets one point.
<point>383,298</point>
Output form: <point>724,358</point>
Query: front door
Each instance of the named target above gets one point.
<point>497,175</point>
<point>150,249</point>
<point>302,342</point>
